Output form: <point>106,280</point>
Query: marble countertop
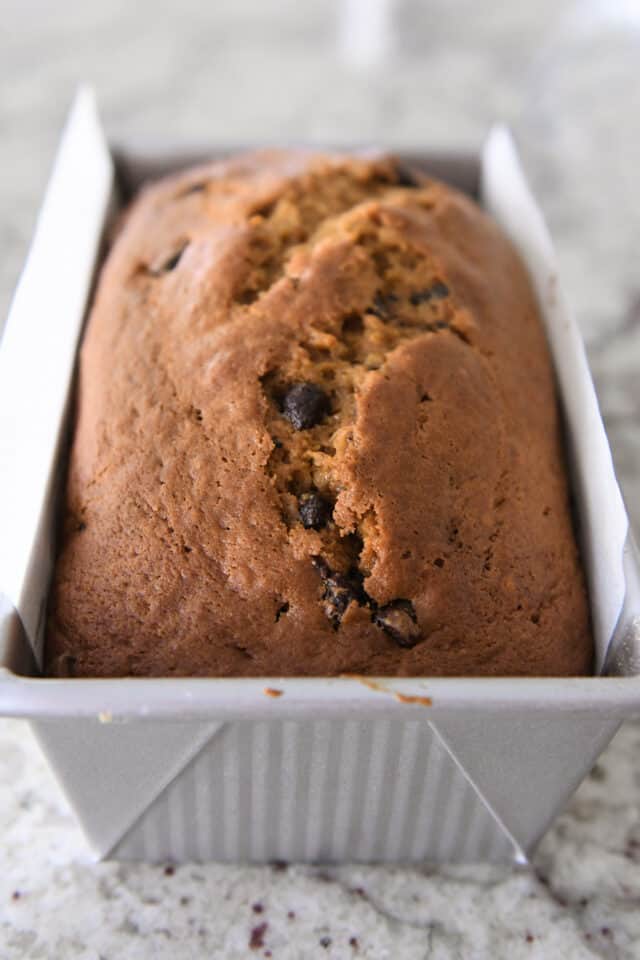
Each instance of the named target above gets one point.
<point>564,75</point>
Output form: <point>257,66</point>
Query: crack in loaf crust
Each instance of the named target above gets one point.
<point>316,434</point>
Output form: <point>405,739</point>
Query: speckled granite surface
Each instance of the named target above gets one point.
<point>565,76</point>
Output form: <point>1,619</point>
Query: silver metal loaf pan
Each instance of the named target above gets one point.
<point>294,769</point>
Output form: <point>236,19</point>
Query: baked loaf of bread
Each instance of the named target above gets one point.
<point>316,434</point>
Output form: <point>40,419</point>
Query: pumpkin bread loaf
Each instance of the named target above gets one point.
<point>317,433</point>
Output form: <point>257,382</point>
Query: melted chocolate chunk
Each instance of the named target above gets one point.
<point>398,620</point>
<point>282,610</point>
<point>315,511</point>
<point>438,291</point>
<point>339,590</point>
<point>338,594</point>
<point>383,305</point>
<point>166,266</point>
<point>406,177</point>
<point>305,405</point>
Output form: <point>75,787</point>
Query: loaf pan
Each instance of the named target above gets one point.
<point>287,769</point>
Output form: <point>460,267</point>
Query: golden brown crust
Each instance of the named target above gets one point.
<point>317,434</point>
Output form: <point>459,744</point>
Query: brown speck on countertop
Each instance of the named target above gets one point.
<point>353,942</point>
<point>256,940</point>
<point>16,895</point>
<point>257,907</point>
<point>169,870</point>
<point>270,692</point>
<point>325,942</point>
<point>291,914</point>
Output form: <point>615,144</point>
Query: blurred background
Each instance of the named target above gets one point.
<point>564,74</point>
